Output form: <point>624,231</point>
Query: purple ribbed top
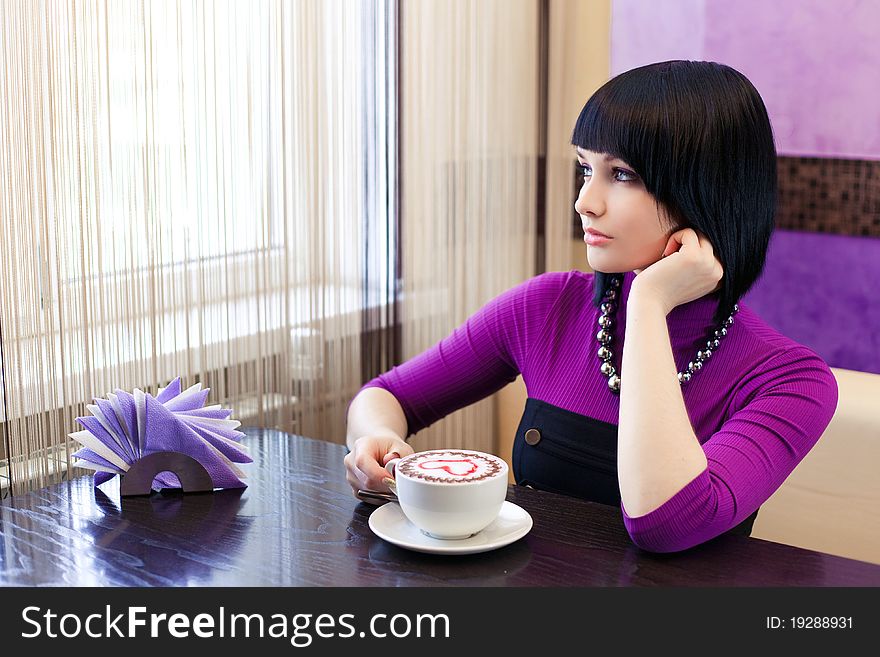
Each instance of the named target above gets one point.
<point>757,406</point>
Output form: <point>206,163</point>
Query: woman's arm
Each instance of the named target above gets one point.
<point>658,452</point>
<point>675,492</point>
<point>478,358</point>
<point>375,412</point>
<point>376,431</point>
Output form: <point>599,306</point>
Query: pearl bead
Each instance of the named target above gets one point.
<point>605,321</point>
<point>684,377</point>
<point>605,353</point>
<point>607,369</point>
<point>614,383</point>
<point>608,308</point>
<point>604,337</point>
<point>611,295</point>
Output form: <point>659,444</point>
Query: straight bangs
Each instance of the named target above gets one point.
<point>622,119</point>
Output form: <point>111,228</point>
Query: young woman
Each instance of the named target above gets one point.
<point>648,385</point>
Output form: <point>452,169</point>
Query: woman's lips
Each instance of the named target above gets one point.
<point>593,238</point>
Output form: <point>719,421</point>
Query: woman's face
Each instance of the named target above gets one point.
<point>613,201</point>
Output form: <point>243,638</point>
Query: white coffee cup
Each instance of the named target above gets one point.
<point>450,493</point>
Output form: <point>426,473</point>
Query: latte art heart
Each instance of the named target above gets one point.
<point>451,466</point>
<point>455,467</point>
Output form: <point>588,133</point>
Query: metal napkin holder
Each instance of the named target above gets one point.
<point>193,476</point>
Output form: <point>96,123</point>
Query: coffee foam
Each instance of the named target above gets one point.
<point>451,466</point>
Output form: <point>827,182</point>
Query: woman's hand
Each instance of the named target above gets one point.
<point>687,270</point>
<point>365,464</point>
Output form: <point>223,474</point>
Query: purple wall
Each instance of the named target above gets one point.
<point>814,62</point>
<point>821,290</point>
<point>817,66</point>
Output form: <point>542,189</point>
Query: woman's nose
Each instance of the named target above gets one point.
<point>590,200</point>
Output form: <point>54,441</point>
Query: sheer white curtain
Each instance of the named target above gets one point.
<point>210,190</point>
<point>187,187</point>
<point>471,138</point>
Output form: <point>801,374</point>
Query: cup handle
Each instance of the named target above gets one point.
<point>389,480</point>
<point>392,464</point>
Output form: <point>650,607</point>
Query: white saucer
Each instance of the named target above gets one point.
<point>389,523</point>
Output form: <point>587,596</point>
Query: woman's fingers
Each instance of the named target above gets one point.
<point>672,245</point>
<point>373,472</point>
<point>389,456</point>
<point>365,464</point>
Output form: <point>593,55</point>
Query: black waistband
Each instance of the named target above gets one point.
<point>565,452</point>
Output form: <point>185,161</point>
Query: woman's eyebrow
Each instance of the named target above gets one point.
<point>606,157</point>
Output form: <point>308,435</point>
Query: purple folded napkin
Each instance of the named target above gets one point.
<point>125,427</point>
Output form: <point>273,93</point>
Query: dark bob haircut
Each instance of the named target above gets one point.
<point>699,136</point>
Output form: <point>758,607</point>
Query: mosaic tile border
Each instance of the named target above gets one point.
<point>816,194</point>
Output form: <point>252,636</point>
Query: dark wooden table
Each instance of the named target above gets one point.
<point>297,524</point>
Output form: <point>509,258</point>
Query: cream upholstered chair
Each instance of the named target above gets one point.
<point>831,502</point>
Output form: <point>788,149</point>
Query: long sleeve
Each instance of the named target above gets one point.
<point>782,413</point>
<point>480,357</point>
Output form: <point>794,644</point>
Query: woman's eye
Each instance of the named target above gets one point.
<point>619,175</point>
